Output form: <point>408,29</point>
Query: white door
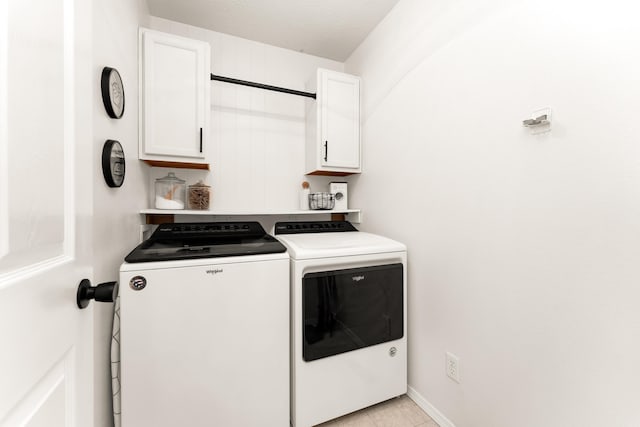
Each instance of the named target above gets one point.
<point>340,113</point>
<point>46,110</point>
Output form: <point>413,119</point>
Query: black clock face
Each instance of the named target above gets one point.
<point>113,163</point>
<point>112,92</point>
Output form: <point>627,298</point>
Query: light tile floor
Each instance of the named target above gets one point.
<point>398,412</point>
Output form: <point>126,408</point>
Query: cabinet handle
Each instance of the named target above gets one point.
<point>326,150</point>
<point>201,140</point>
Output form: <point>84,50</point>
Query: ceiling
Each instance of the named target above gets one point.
<point>327,28</point>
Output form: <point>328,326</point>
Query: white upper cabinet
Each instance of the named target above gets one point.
<point>333,125</point>
<point>174,98</point>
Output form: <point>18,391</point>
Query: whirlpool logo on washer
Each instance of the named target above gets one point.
<point>215,271</point>
<point>137,283</point>
<point>357,278</point>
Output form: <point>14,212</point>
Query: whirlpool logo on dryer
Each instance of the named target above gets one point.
<point>357,278</point>
<point>215,271</point>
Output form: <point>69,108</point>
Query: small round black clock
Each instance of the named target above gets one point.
<point>112,92</point>
<point>113,163</point>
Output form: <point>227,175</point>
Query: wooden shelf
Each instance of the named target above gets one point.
<point>177,165</point>
<point>331,173</point>
<point>158,216</point>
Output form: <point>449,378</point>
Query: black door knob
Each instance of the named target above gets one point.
<point>104,292</point>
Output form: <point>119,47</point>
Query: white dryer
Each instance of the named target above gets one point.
<point>204,317</point>
<point>349,319</point>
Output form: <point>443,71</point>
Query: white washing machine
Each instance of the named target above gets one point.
<point>204,318</point>
<point>349,319</point>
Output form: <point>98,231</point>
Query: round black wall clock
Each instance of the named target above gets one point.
<point>113,164</point>
<point>112,92</point>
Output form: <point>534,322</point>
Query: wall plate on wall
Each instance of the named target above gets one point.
<point>540,121</point>
<point>113,163</point>
<point>340,190</point>
<point>112,92</point>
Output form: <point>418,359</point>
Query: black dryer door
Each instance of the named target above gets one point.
<point>344,310</point>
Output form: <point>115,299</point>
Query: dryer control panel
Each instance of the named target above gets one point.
<point>299,227</point>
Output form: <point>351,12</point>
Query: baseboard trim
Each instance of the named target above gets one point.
<point>427,407</point>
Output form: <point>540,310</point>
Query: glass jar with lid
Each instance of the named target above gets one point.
<point>199,196</point>
<point>170,192</point>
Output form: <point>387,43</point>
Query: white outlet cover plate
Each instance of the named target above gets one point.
<point>452,367</point>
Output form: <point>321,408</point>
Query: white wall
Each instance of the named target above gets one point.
<point>116,223</point>
<point>523,249</point>
<point>258,136</point>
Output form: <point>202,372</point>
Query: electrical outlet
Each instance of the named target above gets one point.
<point>452,367</point>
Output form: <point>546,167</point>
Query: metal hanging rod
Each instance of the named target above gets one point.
<point>262,86</point>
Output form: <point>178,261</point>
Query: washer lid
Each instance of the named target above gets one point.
<point>328,245</point>
<point>180,241</point>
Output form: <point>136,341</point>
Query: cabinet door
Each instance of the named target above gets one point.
<point>339,120</point>
<point>175,77</point>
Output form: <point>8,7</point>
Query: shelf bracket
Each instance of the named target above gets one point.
<point>355,217</point>
<point>157,219</point>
